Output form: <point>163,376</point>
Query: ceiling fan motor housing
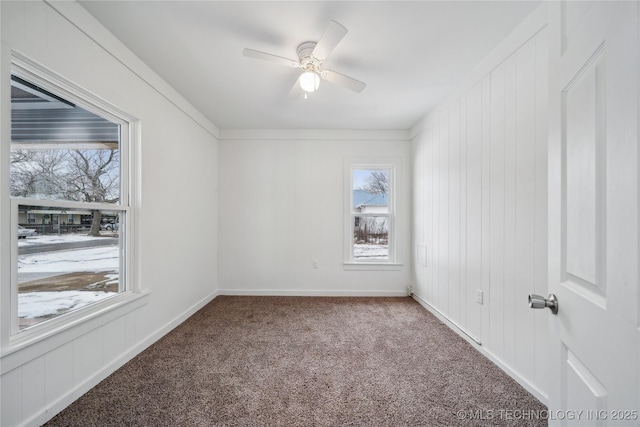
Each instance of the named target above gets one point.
<point>311,56</point>
<point>307,61</point>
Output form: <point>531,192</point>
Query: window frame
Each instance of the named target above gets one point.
<point>392,165</point>
<point>13,338</point>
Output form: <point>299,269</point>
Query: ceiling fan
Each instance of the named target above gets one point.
<point>311,57</point>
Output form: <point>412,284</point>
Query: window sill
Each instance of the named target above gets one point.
<point>372,266</point>
<point>56,332</point>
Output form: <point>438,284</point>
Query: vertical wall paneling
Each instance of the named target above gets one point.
<point>437,168</point>
<point>308,172</point>
<point>87,356</point>
<point>117,339</point>
<point>12,390</point>
<point>541,336</point>
<point>417,167</point>
<point>486,204</point>
<point>474,209</point>
<point>454,212</point>
<point>462,302</point>
<point>33,397</point>
<point>425,287</point>
<point>510,200</point>
<point>483,206</point>
<point>433,181</point>
<point>496,307</point>
<point>524,207</point>
<point>443,214</point>
<point>58,365</point>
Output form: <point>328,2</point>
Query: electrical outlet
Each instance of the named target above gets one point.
<point>480,296</point>
<point>315,263</point>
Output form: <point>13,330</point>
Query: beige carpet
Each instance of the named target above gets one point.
<point>294,361</point>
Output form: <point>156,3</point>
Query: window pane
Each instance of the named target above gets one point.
<point>59,150</point>
<point>62,267</point>
<point>371,238</point>
<point>370,191</point>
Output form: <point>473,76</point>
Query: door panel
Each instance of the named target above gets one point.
<point>593,212</point>
<point>584,391</point>
<point>583,143</point>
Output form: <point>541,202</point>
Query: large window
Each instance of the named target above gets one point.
<point>69,172</point>
<point>370,222</point>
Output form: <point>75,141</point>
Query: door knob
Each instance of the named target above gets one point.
<point>538,301</point>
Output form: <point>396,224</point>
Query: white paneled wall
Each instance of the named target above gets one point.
<point>479,186</point>
<point>177,270</point>
<point>282,206</point>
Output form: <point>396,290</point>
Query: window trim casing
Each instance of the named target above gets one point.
<point>393,164</point>
<point>13,339</point>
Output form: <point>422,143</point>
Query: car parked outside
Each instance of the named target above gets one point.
<point>110,226</point>
<point>24,232</point>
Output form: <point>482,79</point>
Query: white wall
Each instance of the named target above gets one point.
<point>480,205</point>
<point>282,206</point>
<point>479,195</point>
<point>177,211</point>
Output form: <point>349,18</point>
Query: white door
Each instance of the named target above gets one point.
<point>593,213</point>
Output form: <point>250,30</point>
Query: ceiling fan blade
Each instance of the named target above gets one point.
<point>342,80</point>
<point>329,40</point>
<point>256,54</point>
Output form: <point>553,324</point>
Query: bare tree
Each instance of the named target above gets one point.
<point>376,183</point>
<point>36,173</point>
<point>79,175</point>
<point>93,177</point>
<point>371,230</point>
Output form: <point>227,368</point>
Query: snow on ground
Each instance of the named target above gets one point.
<point>369,251</point>
<point>41,304</point>
<point>48,304</point>
<point>103,258</point>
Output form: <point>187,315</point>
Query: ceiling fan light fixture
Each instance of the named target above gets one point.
<point>311,57</point>
<point>309,81</point>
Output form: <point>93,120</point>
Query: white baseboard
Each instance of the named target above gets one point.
<point>72,395</point>
<point>311,293</point>
<point>440,315</point>
<point>542,397</point>
<point>527,385</point>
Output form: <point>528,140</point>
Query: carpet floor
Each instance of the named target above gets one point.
<point>307,361</point>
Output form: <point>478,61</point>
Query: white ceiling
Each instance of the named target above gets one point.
<point>410,54</point>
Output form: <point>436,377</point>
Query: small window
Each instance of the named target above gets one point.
<point>370,212</point>
<point>370,227</point>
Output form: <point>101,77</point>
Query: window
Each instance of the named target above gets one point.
<point>370,220</point>
<point>69,168</point>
